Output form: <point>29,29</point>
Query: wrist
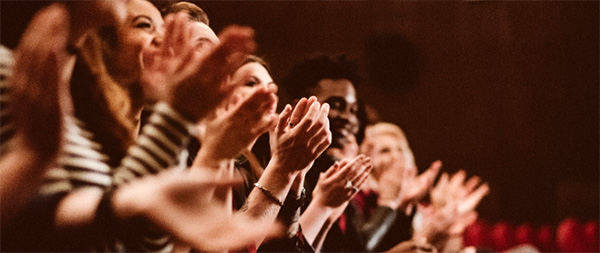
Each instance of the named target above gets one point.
<point>278,181</point>
<point>207,159</point>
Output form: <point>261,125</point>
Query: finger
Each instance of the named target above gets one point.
<point>348,170</point>
<point>472,183</point>
<point>321,120</point>
<point>181,30</point>
<point>444,179</point>
<point>473,200</point>
<point>360,168</point>
<point>324,145</point>
<point>463,222</point>
<point>168,37</point>
<point>334,168</point>
<point>456,182</point>
<point>299,111</point>
<point>368,167</point>
<point>284,117</point>
<point>187,48</point>
<point>341,173</point>
<point>236,43</point>
<point>429,176</point>
<point>363,176</point>
<point>308,119</point>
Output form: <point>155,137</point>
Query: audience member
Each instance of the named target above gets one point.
<point>393,182</point>
<point>332,80</point>
<point>35,96</point>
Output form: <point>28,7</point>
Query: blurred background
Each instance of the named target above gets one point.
<point>505,90</point>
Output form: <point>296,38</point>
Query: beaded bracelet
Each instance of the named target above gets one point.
<point>269,194</point>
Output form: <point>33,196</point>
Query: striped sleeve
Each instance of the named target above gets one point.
<point>158,146</point>
<point>80,163</point>
<point>7,130</point>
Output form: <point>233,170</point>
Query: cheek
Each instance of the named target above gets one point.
<point>381,160</point>
<point>354,122</point>
<point>243,91</point>
<point>132,44</point>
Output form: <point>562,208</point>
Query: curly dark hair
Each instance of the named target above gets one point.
<point>306,75</point>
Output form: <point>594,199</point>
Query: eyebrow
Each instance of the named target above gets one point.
<point>142,16</point>
<point>203,39</point>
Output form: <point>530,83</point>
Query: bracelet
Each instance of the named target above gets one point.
<point>269,194</point>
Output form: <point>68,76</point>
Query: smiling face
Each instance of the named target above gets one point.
<point>143,27</point>
<point>386,144</point>
<point>341,96</point>
<point>250,75</point>
<point>386,150</point>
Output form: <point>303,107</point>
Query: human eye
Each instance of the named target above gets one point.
<point>334,104</point>
<point>354,108</point>
<point>384,150</point>
<point>252,82</point>
<point>143,23</point>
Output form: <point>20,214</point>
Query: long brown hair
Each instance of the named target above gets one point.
<point>260,154</point>
<point>100,102</point>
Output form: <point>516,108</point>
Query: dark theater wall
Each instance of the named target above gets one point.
<point>506,90</point>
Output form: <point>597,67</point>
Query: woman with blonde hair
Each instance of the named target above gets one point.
<point>394,179</point>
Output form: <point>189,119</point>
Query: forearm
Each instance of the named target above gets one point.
<point>78,208</point>
<point>214,168</point>
<point>259,206</point>
<point>316,222</point>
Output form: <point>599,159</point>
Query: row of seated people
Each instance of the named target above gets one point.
<point>211,166</point>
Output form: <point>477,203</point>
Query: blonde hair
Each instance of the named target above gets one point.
<point>388,129</point>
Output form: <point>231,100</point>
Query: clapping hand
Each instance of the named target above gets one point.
<point>301,135</point>
<point>340,183</point>
<point>193,82</point>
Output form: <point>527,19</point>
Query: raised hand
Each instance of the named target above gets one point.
<point>193,82</point>
<point>340,183</point>
<point>452,209</point>
<point>38,97</point>
<point>37,82</point>
<point>237,125</point>
<point>175,201</point>
<point>301,135</point>
<point>416,187</point>
<point>334,190</point>
<point>400,187</point>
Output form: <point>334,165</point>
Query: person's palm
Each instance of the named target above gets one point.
<point>414,187</point>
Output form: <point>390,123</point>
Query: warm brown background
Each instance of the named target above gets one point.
<point>506,90</point>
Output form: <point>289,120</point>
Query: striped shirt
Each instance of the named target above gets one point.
<point>82,164</point>
<point>7,130</point>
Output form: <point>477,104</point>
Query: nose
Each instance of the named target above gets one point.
<point>345,114</point>
<point>158,40</point>
<point>159,36</point>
